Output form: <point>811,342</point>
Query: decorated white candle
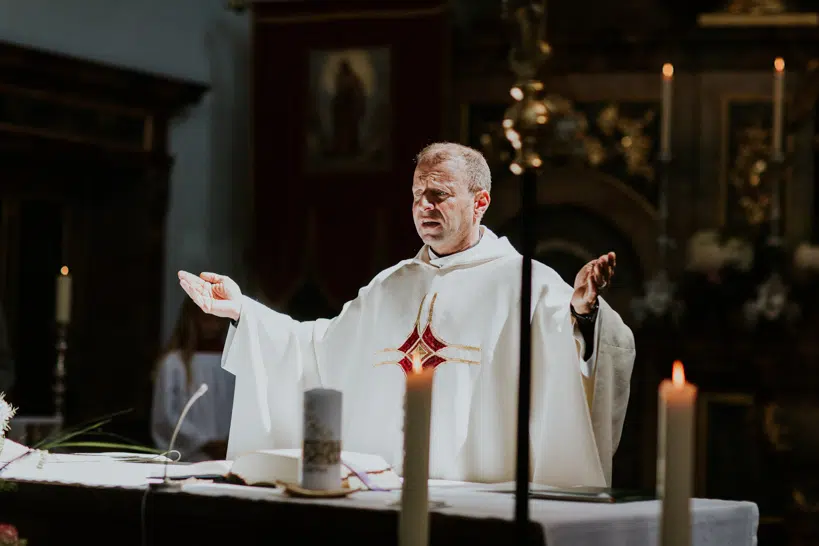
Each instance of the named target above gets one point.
<point>778,106</point>
<point>675,452</point>
<point>665,127</point>
<point>63,311</point>
<point>321,448</point>
<point>413,529</point>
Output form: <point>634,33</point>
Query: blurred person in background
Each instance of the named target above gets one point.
<point>192,357</point>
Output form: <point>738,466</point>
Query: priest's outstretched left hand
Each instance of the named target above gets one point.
<point>591,280</point>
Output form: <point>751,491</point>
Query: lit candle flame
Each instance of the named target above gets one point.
<point>678,374</point>
<point>416,364</point>
<point>668,71</point>
<point>64,270</point>
<point>779,64</point>
<point>517,93</point>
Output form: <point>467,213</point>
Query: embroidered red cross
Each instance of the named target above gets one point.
<point>425,345</point>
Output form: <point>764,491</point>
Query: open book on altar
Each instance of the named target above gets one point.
<point>266,467</point>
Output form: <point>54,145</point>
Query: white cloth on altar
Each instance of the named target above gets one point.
<point>208,419</point>
<point>476,295</point>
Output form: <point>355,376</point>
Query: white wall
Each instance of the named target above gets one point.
<point>209,217</point>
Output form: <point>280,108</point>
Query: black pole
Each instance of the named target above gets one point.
<point>528,184</point>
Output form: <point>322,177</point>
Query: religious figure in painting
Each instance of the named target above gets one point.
<point>452,308</point>
<point>348,109</point>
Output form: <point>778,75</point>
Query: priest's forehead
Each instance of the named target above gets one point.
<point>446,173</point>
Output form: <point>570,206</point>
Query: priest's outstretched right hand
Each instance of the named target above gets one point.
<point>215,294</point>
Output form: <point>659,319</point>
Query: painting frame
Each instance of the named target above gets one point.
<point>348,112</point>
<point>747,106</point>
<point>714,408</point>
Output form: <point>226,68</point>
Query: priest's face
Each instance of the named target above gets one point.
<point>447,213</point>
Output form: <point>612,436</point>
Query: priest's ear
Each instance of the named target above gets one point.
<point>480,204</point>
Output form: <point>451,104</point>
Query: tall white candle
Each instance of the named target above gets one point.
<point>665,127</point>
<point>778,106</point>
<point>675,456</point>
<point>63,305</point>
<point>413,528</point>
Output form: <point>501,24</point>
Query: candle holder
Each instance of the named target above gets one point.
<point>659,299</point>
<point>59,371</point>
<point>772,302</point>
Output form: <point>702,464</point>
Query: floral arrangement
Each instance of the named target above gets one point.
<point>7,411</point>
<point>708,253</point>
<point>9,536</point>
<point>8,533</point>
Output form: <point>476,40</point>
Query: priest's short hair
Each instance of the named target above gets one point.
<point>475,165</point>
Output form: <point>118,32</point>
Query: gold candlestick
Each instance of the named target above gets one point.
<point>59,371</point>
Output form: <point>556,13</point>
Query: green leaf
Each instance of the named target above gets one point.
<point>56,439</point>
<point>111,445</point>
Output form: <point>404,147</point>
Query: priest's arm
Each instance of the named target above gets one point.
<point>606,351</point>
<point>275,359</point>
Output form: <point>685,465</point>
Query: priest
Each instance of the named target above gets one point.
<point>454,307</point>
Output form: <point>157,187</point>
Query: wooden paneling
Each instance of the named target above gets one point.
<point>85,170</point>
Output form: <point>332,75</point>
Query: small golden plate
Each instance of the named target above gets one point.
<point>295,490</point>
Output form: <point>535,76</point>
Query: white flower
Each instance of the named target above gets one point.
<point>739,253</point>
<point>705,252</point>
<point>7,411</point>
<point>806,257</point>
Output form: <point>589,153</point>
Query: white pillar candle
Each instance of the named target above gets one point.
<point>675,456</point>
<point>321,447</point>
<point>778,106</point>
<point>413,529</point>
<point>665,127</point>
<point>63,311</point>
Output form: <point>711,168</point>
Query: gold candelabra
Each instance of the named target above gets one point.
<point>59,371</point>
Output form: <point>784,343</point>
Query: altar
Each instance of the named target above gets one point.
<point>94,499</point>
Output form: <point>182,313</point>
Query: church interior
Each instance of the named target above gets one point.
<point>274,142</point>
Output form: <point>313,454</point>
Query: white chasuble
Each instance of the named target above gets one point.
<point>459,314</point>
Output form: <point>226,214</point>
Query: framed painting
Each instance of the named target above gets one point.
<point>349,121</point>
<point>746,147</point>
<point>621,138</point>
<point>730,455</point>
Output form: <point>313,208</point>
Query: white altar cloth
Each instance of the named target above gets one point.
<point>715,522</point>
